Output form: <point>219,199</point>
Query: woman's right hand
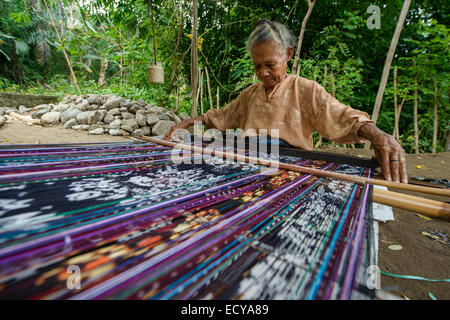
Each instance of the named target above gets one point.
<point>182,125</point>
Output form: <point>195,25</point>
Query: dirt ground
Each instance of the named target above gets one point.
<point>421,255</point>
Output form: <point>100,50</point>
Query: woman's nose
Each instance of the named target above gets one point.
<point>265,71</point>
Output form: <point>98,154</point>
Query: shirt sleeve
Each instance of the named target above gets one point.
<point>334,120</point>
<point>231,116</point>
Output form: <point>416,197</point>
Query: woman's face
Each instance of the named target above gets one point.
<point>269,63</point>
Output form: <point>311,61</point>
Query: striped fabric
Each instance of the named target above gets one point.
<point>122,221</point>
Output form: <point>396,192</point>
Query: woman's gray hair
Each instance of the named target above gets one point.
<point>265,30</point>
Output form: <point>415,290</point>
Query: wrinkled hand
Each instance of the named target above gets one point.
<point>391,157</point>
<point>388,152</point>
<point>182,125</point>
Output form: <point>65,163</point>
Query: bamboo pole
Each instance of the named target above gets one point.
<point>425,206</point>
<point>395,134</point>
<point>201,92</point>
<point>311,4</point>
<point>209,88</point>
<point>333,87</point>
<point>218,97</point>
<point>324,84</point>
<point>387,64</point>
<point>398,116</point>
<point>318,172</point>
<point>64,50</point>
<point>198,87</point>
<point>194,60</point>
<point>435,116</point>
<point>416,126</point>
<point>102,74</point>
<point>23,118</point>
<point>178,61</point>
<point>429,207</point>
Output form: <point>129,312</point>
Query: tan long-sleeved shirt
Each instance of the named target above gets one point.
<point>296,107</point>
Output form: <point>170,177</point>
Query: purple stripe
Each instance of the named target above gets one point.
<point>349,276</point>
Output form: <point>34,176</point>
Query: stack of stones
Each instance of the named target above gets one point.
<point>107,114</point>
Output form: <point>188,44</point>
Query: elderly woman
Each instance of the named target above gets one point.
<point>297,106</point>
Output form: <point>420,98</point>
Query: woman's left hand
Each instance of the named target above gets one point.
<point>391,157</point>
<point>388,152</point>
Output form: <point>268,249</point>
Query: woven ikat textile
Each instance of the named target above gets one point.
<point>122,221</point>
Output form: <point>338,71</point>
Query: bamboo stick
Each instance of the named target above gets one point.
<point>395,105</point>
<point>387,64</point>
<point>425,206</point>
<point>23,118</point>
<point>435,117</point>
<point>209,89</point>
<point>291,167</point>
<point>201,91</point>
<point>311,4</point>
<point>218,98</point>
<point>399,112</point>
<point>416,125</point>
<point>62,46</point>
<point>194,59</point>
<point>429,207</point>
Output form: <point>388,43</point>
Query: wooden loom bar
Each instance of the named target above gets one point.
<point>416,204</point>
<point>23,118</point>
<point>430,207</point>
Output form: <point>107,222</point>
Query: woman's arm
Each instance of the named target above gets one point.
<point>387,151</point>
<point>343,124</point>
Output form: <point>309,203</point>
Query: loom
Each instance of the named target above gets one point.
<point>122,221</point>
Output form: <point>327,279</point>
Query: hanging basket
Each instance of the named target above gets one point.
<point>155,73</point>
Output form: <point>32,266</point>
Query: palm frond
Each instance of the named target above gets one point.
<point>42,53</point>
<point>3,52</point>
<point>21,47</point>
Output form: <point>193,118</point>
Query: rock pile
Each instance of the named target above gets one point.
<point>106,114</point>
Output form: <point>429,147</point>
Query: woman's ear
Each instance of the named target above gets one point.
<point>290,53</point>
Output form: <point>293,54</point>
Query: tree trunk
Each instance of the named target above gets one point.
<point>387,64</point>
<point>447,140</point>
<point>62,46</point>
<point>16,70</point>
<point>218,97</point>
<point>416,127</point>
<point>397,120</point>
<point>333,87</point>
<point>435,122</point>
<point>209,88</point>
<point>333,93</point>
<point>102,73</point>
<point>177,99</point>
<point>194,60</point>
<point>324,83</point>
<point>395,134</point>
<point>201,92</point>
<point>121,58</point>
<point>311,4</point>
<point>177,49</point>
